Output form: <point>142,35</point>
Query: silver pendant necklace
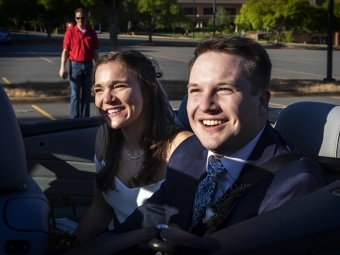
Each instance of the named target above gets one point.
<point>127,153</point>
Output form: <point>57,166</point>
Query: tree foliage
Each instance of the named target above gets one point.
<point>151,14</point>
<point>148,14</point>
<point>336,11</point>
<point>47,13</point>
<point>316,21</point>
<point>112,9</point>
<point>176,15</point>
<point>14,13</point>
<point>112,12</point>
<point>279,15</point>
<point>251,15</point>
<point>52,11</point>
<point>273,14</point>
<point>222,20</point>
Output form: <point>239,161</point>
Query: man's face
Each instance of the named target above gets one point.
<point>80,19</point>
<point>222,112</point>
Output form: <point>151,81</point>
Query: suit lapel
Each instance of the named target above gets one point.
<point>194,170</point>
<point>188,168</point>
<point>268,146</point>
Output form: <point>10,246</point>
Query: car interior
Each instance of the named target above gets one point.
<point>24,221</point>
<point>55,158</point>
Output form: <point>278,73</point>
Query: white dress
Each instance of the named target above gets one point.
<point>125,200</point>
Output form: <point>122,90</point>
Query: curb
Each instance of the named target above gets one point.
<point>60,92</point>
<point>304,94</point>
<point>169,41</point>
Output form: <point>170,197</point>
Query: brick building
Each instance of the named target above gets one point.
<point>200,11</point>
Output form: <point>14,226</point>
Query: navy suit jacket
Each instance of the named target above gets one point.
<point>173,202</point>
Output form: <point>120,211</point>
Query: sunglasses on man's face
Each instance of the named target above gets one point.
<point>78,18</point>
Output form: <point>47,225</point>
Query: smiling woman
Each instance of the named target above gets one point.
<point>118,96</point>
<point>134,145</point>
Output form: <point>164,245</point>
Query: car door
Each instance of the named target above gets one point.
<point>60,159</point>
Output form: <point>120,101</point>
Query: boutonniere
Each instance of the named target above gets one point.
<point>215,215</point>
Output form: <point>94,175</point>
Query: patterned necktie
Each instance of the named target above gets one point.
<point>207,189</point>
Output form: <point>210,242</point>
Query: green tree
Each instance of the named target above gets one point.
<point>151,14</point>
<point>52,11</point>
<point>274,15</point>
<point>112,9</point>
<point>175,17</point>
<point>316,21</point>
<point>222,20</point>
<point>251,14</point>
<point>336,21</point>
<point>16,13</point>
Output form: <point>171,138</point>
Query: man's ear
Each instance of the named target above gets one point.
<point>264,97</point>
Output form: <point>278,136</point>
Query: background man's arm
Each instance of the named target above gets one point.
<point>64,57</point>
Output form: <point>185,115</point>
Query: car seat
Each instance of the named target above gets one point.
<point>312,127</point>
<point>182,115</point>
<point>24,208</point>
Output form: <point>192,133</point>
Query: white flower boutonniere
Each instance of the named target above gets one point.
<point>216,215</point>
<point>208,214</point>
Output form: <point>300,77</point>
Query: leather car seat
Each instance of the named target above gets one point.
<point>24,207</point>
<point>182,114</point>
<point>313,127</point>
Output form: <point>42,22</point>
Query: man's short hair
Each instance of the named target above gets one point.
<point>258,64</point>
<point>80,10</point>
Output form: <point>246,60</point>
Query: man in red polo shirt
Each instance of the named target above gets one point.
<point>80,46</point>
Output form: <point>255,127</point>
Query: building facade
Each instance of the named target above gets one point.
<point>200,11</point>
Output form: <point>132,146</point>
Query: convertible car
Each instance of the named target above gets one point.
<point>43,163</point>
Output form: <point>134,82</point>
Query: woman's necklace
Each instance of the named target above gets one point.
<point>133,156</point>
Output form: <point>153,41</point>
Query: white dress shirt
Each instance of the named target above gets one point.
<point>234,164</point>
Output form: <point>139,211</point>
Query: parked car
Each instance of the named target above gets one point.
<point>5,36</point>
<point>58,156</point>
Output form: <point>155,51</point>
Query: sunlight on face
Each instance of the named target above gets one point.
<point>118,96</point>
<point>221,110</point>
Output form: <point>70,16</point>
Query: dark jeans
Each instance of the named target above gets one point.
<point>80,80</point>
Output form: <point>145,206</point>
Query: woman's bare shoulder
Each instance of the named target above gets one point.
<point>181,136</point>
<point>177,140</point>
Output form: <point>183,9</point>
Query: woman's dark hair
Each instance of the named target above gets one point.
<point>157,116</point>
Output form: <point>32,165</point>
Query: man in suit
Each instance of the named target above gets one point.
<point>228,97</point>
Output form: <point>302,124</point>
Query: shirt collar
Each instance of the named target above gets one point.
<point>81,29</point>
<point>235,162</point>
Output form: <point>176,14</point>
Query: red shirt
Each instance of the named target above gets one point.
<point>80,45</point>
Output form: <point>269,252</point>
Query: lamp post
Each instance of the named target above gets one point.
<point>330,41</point>
<point>193,20</point>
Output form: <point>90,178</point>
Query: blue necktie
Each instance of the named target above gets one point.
<point>207,189</point>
